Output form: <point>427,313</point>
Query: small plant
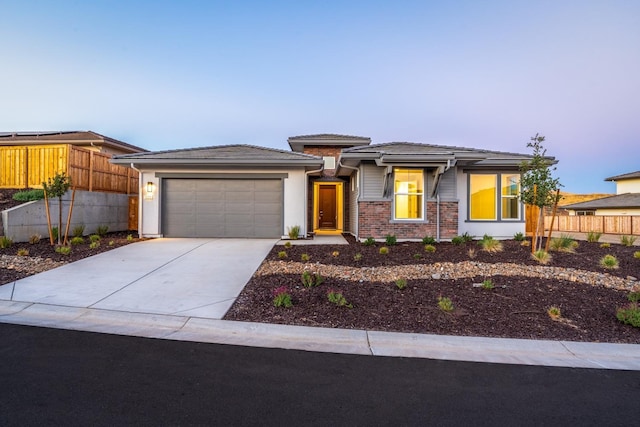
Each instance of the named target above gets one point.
<point>401,284</point>
<point>472,253</point>
<point>129,237</point>
<point>390,239</point>
<point>94,238</point>
<point>417,256</point>
<point>293,232</point>
<point>338,299</point>
<point>457,240</point>
<point>564,243</point>
<point>627,240</point>
<point>593,236</point>
<point>429,248</point>
<point>287,245</point>
<point>23,252</point>
<point>5,242</point>
<point>634,296</point>
<point>519,237</point>
<point>605,245</point>
<point>525,243</point>
<point>305,257</point>
<point>370,241</point>
<point>489,244</point>
<point>428,240</point>
<point>94,245</point>
<point>112,242</point>
<point>487,284</point>
<point>630,314</point>
<point>384,250</point>
<point>636,254</point>
<point>542,256</point>
<point>77,241</point>
<point>609,262</point>
<point>102,230</point>
<point>554,312</point>
<point>282,297</point>
<point>63,250</point>
<point>282,254</point>
<point>466,237</point>
<point>335,254</point>
<point>445,304</point>
<point>29,195</point>
<point>357,257</point>
<point>78,231</point>
<point>35,239</point>
<point>309,280</point>
<point>54,233</point>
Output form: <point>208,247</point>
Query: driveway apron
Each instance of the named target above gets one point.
<point>187,277</point>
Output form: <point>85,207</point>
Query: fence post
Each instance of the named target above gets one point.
<point>91,171</point>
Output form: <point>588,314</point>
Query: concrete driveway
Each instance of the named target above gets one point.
<point>186,277</point>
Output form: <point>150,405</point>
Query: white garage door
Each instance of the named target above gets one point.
<point>222,207</point>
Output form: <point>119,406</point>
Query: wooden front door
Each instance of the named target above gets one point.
<point>327,215</point>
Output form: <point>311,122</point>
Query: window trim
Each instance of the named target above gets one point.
<point>423,205</point>
<point>498,198</point>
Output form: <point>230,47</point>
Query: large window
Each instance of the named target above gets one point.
<point>408,193</point>
<point>488,202</point>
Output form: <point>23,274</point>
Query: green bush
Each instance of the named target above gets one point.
<point>518,237</point>
<point>593,236</point>
<point>609,262</point>
<point>445,304</point>
<point>310,281</point>
<point>370,241</point>
<point>282,297</point>
<point>457,240</point>
<point>466,237</point>
<point>78,230</point>
<point>629,315</point>
<point>357,257</point>
<point>305,257</point>
<point>429,248</point>
<point>564,243</point>
<point>338,299</point>
<point>293,232</point>
<point>282,254</point>
<point>428,240</point>
<point>101,230</point>
<point>64,250</point>
<point>542,256</point>
<point>489,244</point>
<point>77,241</point>
<point>401,284</point>
<point>487,284</point>
<point>94,238</point>
<point>384,250</point>
<point>94,245</point>
<point>390,240</point>
<point>636,254</point>
<point>627,240</point>
<point>5,242</point>
<point>29,195</point>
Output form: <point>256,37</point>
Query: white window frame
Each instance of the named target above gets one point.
<point>421,194</point>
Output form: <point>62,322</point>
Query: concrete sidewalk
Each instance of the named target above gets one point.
<point>180,289</point>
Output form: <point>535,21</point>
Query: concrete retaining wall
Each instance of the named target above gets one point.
<point>89,208</point>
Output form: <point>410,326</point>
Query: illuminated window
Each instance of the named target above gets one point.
<point>483,197</point>
<point>408,193</point>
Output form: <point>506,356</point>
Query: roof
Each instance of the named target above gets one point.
<point>630,175</point>
<point>297,143</point>
<point>626,200</point>
<point>228,155</point>
<point>78,138</point>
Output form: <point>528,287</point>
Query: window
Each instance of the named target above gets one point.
<point>483,197</point>
<point>408,193</point>
<point>585,213</point>
<point>329,162</point>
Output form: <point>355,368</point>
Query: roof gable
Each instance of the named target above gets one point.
<point>630,175</point>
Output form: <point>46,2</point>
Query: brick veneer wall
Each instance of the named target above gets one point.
<point>325,150</point>
<point>374,220</point>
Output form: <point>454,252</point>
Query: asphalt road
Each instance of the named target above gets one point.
<point>58,377</point>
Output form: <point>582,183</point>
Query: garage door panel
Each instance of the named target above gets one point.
<point>222,208</point>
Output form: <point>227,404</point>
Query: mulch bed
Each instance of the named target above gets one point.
<point>515,308</point>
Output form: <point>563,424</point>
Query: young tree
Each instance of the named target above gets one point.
<point>56,187</point>
<point>537,185</point>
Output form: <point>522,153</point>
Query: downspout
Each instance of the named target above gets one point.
<point>438,202</point>
<point>340,165</point>
<point>306,195</point>
<point>140,202</point>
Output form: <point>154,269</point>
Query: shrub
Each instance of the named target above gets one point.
<point>466,237</point>
<point>429,248</point>
<point>287,245</point>
<point>370,241</point>
<point>445,304</point>
<point>417,256</point>
<point>78,231</point>
<point>29,195</point>
<point>293,232</point>
<point>282,254</point>
<point>309,280</point>
<point>23,252</point>
<point>384,250</point>
<point>487,284</point>
<point>390,240</point>
<point>282,297</point>
<point>5,242</point>
<point>34,239</point>
<point>94,238</point>
<point>542,256</point>
<point>129,237</point>
<point>519,237</point>
<point>636,254</point>
<point>457,240</point>
<point>401,284</point>
<point>112,242</point>
<point>525,243</point>
<point>605,245</point>
<point>627,240</point>
<point>63,250</point>
<point>593,236</point>
<point>564,243</point>
<point>634,296</point>
<point>472,253</point>
<point>94,245</point>
<point>338,299</point>
<point>54,233</point>
<point>489,244</point>
<point>609,262</point>
<point>357,257</point>
<point>428,240</point>
<point>77,241</point>
<point>305,257</point>
<point>335,254</point>
<point>554,312</point>
<point>629,315</point>
<point>101,230</point>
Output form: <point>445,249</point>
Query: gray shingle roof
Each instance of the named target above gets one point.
<point>65,137</point>
<point>627,200</point>
<point>426,149</point>
<point>630,175</point>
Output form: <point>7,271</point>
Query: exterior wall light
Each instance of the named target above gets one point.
<point>149,190</point>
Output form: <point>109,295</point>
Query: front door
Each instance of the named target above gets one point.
<point>327,217</point>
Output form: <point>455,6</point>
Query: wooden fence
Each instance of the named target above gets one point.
<point>606,224</point>
<point>29,166</point>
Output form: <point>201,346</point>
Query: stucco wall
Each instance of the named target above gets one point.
<point>89,208</point>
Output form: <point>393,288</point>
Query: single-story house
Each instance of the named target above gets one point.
<point>88,140</point>
<point>626,201</point>
<point>329,184</point>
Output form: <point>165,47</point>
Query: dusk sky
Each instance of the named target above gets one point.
<point>479,74</point>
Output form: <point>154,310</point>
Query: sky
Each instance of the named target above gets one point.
<point>479,74</point>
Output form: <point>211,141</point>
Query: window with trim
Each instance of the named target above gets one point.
<point>494,197</point>
<point>408,193</point>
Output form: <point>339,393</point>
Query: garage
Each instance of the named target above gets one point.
<point>244,208</point>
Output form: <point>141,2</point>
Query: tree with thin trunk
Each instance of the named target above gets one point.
<point>538,187</point>
<point>56,187</point>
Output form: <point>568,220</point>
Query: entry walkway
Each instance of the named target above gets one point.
<point>181,288</point>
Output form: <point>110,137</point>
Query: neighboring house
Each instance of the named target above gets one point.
<point>329,184</point>
<point>88,140</point>
<point>625,202</point>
